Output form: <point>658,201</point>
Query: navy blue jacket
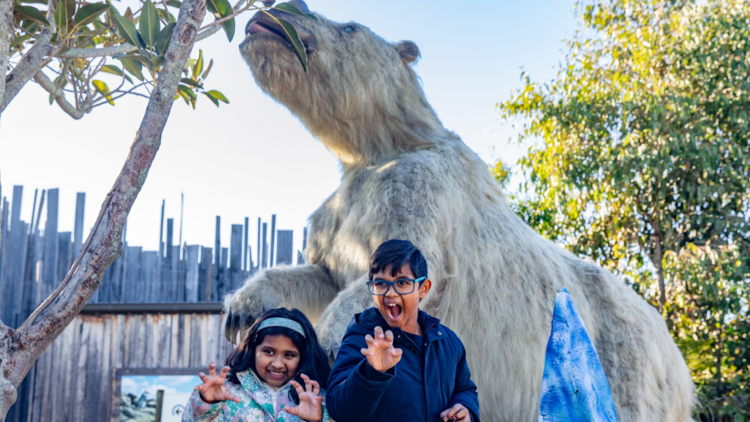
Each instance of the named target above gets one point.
<point>418,388</point>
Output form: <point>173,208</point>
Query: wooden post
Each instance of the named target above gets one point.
<point>218,285</point>
<point>205,276</point>
<point>11,299</point>
<point>245,244</point>
<point>273,238</point>
<point>161,232</point>
<point>78,230</point>
<point>28,289</point>
<point>3,247</point>
<point>191,273</point>
<point>257,251</point>
<point>235,262</point>
<point>223,289</point>
<point>264,261</point>
<point>285,247</point>
<point>132,285</point>
<point>49,267</point>
<point>167,294</point>
<point>150,293</point>
<point>64,256</point>
<point>181,272</point>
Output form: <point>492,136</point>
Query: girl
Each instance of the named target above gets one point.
<point>263,379</point>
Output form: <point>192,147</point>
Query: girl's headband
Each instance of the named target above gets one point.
<point>282,322</point>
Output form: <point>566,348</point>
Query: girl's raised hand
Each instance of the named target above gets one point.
<point>214,389</point>
<point>310,406</point>
<point>380,352</point>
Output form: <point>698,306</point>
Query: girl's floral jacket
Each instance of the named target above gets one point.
<point>259,404</point>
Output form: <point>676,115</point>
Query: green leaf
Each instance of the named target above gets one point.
<point>289,8</point>
<point>61,18</point>
<point>166,16</point>
<point>143,60</point>
<point>162,41</point>
<point>197,67</point>
<point>189,92</point>
<point>31,13</point>
<point>158,60</point>
<point>132,66</point>
<point>184,96</point>
<point>218,95</point>
<point>212,98</point>
<point>92,33</point>
<point>103,89</point>
<point>297,44</point>
<point>126,29</point>
<point>19,40</point>
<point>149,24</point>
<point>191,82</point>
<point>108,68</point>
<point>310,15</point>
<point>208,69</point>
<point>222,9</point>
<point>89,13</point>
<point>174,3</point>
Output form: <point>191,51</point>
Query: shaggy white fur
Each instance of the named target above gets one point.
<point>405,176</point>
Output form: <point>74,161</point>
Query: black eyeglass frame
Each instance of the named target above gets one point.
<point>392,284</point>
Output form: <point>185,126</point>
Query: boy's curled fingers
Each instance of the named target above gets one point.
<point>456,413</point>
<point>370,341</point>
<point>389,337</point>
<point>378,333</point>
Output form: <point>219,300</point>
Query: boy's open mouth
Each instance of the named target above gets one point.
<point>393,311</point>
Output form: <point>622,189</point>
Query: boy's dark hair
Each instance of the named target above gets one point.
<point>313,360</point>
<point>397,253</point>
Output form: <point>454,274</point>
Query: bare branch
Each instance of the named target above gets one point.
<point>104,244</point>
<point>81,53</point>
<point>6,37</point>
<point>34,60</point>
<point>59,95</point>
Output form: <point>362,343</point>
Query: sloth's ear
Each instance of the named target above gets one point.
<point>408,51</point>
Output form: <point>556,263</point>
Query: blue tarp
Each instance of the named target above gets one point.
<point>574,387</point>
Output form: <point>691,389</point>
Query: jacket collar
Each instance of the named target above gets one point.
<point>366,321</point>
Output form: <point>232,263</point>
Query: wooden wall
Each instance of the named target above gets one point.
<point>73,378</point>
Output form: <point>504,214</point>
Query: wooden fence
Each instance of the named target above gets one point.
<point>75,379</point>
<point>34,259</point>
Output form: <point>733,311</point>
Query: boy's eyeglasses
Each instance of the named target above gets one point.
<point>403,286</point>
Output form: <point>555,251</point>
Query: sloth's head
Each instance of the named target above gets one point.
<point>359,95</point>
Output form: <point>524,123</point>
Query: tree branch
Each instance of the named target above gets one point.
<point>21,349</point>
<point>59,95</point>
<point>6,36</point>
<point>28,66</point>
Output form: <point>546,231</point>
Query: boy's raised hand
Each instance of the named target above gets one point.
<point>310,406</point>
<point>457,413</point>
<point>213,389</point>
<point>380,352</point>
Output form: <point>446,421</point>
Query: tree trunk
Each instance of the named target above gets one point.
<point>20,348</point>
<point>6,34</point>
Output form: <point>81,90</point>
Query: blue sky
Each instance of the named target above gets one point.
<point>252,157</point>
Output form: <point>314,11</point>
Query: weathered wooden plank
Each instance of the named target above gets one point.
<point>174,341</point>
<point>94,366</point>
<point>205,275</point>
<point>150,339</point>
<point>107,360</point>
<point>162,360</point>
<point>194,357</point>
<point>49,267</point>
<point>168,270</point>
<point>272,263</point>
<point>11,300</point>
<point>149,280</point>
<point>118,342</point>
<point>235,262</point>
<point>191,273</point>
<point>218,287</point>
<point>141,346</point>
<point>245,244</point>
<point>4,242</point>
<point>259,249</point>
<point>224,273</point>
<point>187,329</point>
<point>63,256</point>
<point>180,251</point>
<point>78,228</point>
<point>284,247</point>
<point>81,375</point>
<point>264,259</point>
<point>134,277</point>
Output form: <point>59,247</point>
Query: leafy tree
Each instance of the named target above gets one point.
<point>643,165</point>
<point>81,37</point>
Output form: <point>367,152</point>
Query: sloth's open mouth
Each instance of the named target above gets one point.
<point>257,27</point>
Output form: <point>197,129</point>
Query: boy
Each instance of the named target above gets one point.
<point>415,371</point>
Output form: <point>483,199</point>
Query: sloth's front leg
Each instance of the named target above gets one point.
<point>307,288</point>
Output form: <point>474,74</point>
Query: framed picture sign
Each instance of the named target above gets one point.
<point>152,394</point>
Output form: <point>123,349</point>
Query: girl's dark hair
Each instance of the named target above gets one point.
<point>313,362</point>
